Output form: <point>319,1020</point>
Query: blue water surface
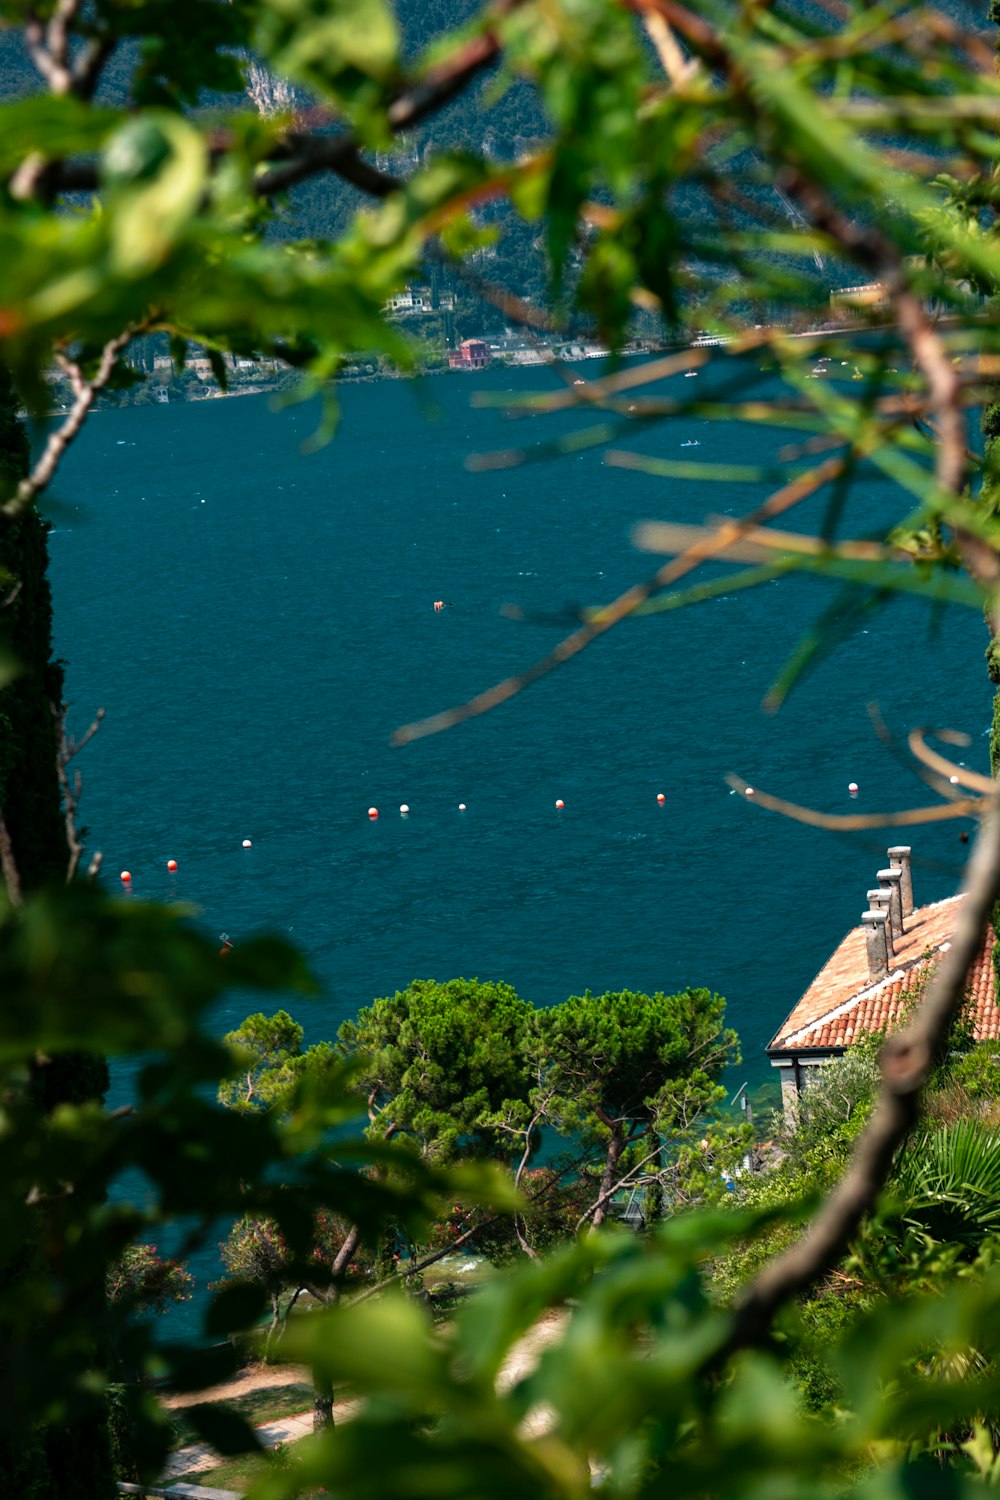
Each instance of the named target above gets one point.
<point>257,619</point>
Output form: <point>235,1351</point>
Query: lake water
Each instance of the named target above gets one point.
<point>256,620</point>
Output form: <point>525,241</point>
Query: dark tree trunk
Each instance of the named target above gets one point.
<point>322,1404</point>
<point>72,1457</point>
<point>615,1147</point>
<point>29,782</point>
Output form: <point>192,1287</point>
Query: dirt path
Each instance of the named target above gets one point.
<point>197,1458</point>
<point>257,1377</point>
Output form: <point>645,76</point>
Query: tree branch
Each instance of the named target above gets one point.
<point>66,749</point>
<point>625,605</point>
<point>85,392</point>
<point>48,45</point>
<point>11,877</point>
<point>626,1181</point>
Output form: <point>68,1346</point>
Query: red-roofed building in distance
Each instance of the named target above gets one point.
<point>471,354</point>
<point>873,976</point>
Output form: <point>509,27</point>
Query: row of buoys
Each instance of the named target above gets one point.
<point>560,804</point>
<point>126,875</point>
<point>404,810</point>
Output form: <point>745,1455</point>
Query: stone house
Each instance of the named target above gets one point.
<point>871,977</point>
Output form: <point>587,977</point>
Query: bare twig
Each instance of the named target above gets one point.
<point>310,154</point>
<point>627,1180</point>
<point>679,69</point>
<point>85,392</point>
<point>956,775</point>
<point>11,877</point>
<point>48,45</point>
<point>66,749</point>
<point>626,604</point>
<point>906,1061</point>
<point>941,812</point>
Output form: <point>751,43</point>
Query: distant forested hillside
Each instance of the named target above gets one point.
<point>497,117</point>
<point>503,122</point>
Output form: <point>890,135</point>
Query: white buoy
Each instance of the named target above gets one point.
<point>852,787</point>
<point>953,780</point>
<point>560,803</point>
<point>403,809</point>
<point>749,791</point>
<point>461,807</point>
<point>660,798</point>
<point>247,844</point>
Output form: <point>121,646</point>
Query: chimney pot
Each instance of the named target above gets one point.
<point>899,856</point>
<point>890,880</point>
<point>876,924</point>
<point>881,900</point>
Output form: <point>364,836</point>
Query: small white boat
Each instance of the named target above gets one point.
<point>690,374</point>
<point>691,443</point>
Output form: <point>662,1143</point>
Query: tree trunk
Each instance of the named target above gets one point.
<point>322,1404</point>
<point>71,1457</point>
<point>615,1145</point>
<point>275,1322</point>
<point>29,783</point>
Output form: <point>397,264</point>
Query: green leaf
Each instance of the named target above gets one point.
<point>233,1309</point>
<point>54,127</point>
<point>226,1431</point>
<point>155,168</point>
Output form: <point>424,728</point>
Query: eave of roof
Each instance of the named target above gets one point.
<point>843,1003</point>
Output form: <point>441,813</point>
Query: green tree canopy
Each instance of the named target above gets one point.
<point>616,1066</point>
<point>438,1060</point>
<point>268,1052</point>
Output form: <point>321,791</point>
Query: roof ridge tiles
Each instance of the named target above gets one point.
<point>861,997</point>
<point>903,965</point>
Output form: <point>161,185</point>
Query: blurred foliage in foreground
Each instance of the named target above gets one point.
<point>852,144</point>
<point>633,1390</point>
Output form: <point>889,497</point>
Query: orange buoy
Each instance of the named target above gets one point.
<point>126,877</point>
<point>660,798</point>
<point>171,864</point>
<point>560,802</point>
<point>373,813</point>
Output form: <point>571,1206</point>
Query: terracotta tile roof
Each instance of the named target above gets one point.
<point>842,1003</point>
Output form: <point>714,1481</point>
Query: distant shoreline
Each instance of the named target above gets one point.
<point>211,392</point>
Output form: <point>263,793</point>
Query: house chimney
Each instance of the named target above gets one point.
<point>900,858</point>
<point>875,924</point>
<point>881,900</point>
<point>889,880</point>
